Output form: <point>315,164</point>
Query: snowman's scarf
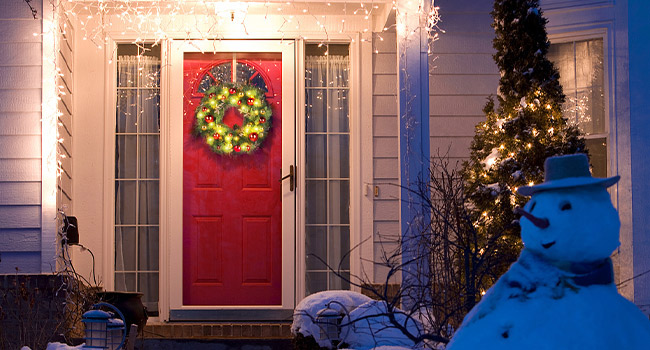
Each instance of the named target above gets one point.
<point>587,274</point>
<point>534,276</point>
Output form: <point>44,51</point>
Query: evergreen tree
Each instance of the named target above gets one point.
<point>520,131</point>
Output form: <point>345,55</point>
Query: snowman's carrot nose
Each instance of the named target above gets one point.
<point>539,222</point>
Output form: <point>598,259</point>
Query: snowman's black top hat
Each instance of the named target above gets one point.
<point>566,172</point>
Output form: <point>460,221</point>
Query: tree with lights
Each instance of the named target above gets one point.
<point>520,131</point>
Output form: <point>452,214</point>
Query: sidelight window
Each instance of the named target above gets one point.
<point>327,173</point>
<point>137,154</point>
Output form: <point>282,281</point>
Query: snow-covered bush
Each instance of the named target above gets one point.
<point>359,323</point>
<point>375,324</point>
<point>306,327</point>
<point>62,346</point>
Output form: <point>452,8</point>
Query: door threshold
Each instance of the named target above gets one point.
<point>230,315</point>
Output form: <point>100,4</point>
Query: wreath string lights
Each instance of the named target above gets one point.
<point>251,103</point>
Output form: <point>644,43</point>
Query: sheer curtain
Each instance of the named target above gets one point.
<point>327,170</point>
<point>137,144</point>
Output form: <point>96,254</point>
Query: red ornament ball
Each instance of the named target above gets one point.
<point>232,91</point>
<point>212,95</point>
<point>237,148</point>
<point>223,97</point>
<point>262,120</point>
<point>205,109</point>
<point>239,102</point>
<point>253,136</point>
<point>248,148</point>
<point>218,147</point>
<point>216,136</point>
<point>209,118</point>
<point>250,101</point>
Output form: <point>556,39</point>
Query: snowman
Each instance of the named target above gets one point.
<point>560,293</point>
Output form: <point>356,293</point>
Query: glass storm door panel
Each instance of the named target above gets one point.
<point>232,204</point>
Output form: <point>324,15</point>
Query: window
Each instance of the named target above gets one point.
<point>327,168</point>
<point>223,73</point>
<point>581,66</point>
<point>137,147</point>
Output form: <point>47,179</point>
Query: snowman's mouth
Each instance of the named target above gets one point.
<point>548,245</point>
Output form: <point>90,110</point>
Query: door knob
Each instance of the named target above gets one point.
<point>291,176</point>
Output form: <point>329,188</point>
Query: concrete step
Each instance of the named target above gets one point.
<point>217,330</point>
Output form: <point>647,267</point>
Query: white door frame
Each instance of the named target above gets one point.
<point>171,225</point>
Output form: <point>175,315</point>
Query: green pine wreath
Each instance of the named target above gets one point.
<point>250,101</point>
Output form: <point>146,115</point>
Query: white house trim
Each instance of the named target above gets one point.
<point>49,142</point>
<point>110,100</point>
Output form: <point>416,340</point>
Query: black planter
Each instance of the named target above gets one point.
<point>130,304</point>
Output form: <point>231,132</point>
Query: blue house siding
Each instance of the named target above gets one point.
<point>20,138</point>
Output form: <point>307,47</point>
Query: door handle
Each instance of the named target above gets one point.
<point>291,176</point>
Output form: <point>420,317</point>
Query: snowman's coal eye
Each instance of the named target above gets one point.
<point>565,206</point>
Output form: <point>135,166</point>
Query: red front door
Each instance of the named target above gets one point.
<point>232,208</point>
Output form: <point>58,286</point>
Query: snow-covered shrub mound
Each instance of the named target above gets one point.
<point>386,347</point>
<point>62,346</point>
<point>306,313</point>
<point>369,326</point>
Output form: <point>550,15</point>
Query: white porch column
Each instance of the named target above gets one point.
<point>639,75</point>
<point>413,84</point>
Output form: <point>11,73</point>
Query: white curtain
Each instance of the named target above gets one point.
<point>137,177</point>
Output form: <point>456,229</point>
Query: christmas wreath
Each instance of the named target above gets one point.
<point>250,102</point>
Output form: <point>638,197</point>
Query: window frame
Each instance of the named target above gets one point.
<point>609,115</point>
